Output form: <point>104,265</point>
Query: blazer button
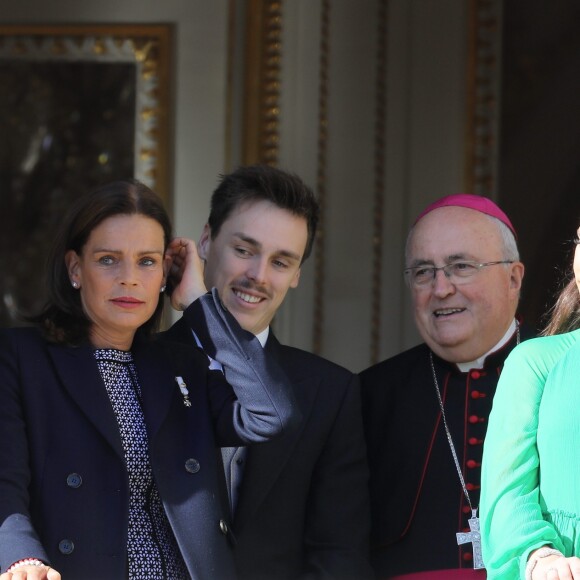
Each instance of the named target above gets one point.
<point>192,465</point>
<point>223,527</point>
<point>66,547</point>
<point>74,480</point>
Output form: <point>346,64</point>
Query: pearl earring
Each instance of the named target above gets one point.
<point>75,284</point>
<point>162,289</point>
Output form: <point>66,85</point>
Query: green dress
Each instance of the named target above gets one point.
<point>530,480</point>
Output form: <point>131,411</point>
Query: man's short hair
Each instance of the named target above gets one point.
<point>264,183</point>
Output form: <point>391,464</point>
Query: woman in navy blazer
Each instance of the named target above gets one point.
<point>81,440</point>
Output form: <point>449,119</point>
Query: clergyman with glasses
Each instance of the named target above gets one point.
<point>426,409</point>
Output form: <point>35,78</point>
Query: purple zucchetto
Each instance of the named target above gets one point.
<point>470,201</point>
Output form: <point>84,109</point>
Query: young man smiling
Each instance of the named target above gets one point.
<point>300,503</point>
<point>253,259</point>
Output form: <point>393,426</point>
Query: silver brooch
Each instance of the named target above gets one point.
<point>183,388</point>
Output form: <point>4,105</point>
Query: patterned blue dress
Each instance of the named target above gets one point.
<point>152,552</point>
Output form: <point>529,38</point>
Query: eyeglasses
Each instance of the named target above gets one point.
<point>456,272</point>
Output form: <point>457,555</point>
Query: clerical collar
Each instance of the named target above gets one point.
<point>480,362</point>
<point>263,336</point>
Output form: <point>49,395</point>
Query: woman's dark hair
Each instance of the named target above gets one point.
<point>62,318</point>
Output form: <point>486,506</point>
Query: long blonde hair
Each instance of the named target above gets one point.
<point>564,316</point>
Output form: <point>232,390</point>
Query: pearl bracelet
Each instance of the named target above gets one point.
<point>541,553</point>
<point>25,562</point>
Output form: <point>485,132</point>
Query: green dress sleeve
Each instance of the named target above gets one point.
<point>511,517</point>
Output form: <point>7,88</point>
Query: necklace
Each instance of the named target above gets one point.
<point>474,535</point>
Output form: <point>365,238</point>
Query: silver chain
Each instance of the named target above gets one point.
<point>448,433</point>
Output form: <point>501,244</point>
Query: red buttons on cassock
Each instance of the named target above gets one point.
<point>475,419</point>
<point>475,375</point>
<point>478,395</point>
<point>472,464</point>
<point>475,441</point>
<point>472,487</point>
<point>468,556</point>
<point>466,509</point>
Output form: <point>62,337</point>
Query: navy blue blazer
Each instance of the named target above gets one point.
<point>303,507</point>
<point>63,481</point>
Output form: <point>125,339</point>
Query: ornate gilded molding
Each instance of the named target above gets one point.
<point>379,176</point>
<point>147,47</point>
<point>263,56</point>
<point>484,70</point>
<point>319,270</point>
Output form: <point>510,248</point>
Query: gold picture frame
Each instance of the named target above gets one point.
<point>80,105</point>
<point>146,47</point>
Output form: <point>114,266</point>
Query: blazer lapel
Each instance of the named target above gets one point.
<point>266,460</point>
<point>156,374</point>
<point>179,332</point>
<point>79,374</point>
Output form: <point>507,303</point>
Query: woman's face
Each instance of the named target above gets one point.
<point>120,272</point>
<point>577,259</point>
